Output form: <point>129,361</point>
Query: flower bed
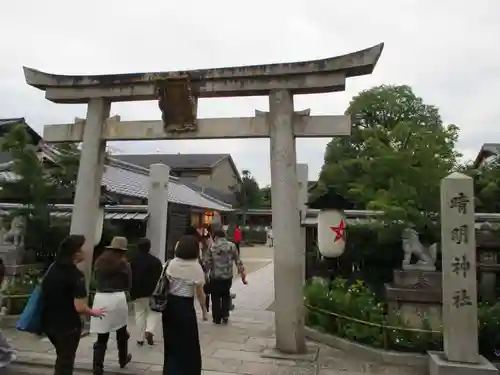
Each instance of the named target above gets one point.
<point>353,311</point>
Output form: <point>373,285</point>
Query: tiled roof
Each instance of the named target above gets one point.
<point>487,150</point>
<point>190,182</point>
<point>174,161</point>
<point>5,126</point>
<point>130,180</point>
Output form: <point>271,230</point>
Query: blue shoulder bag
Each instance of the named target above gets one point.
<point>31,318</point>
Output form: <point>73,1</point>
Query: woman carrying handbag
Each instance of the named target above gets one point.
<point>182,280</point>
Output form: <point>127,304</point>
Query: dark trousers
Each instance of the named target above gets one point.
<point>206,290</point>
<point>66,345</point>
<point>220,290</point>
<point>237,246</point>
<point>101,345</point>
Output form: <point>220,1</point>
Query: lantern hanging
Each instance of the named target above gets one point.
<point>331,222</point>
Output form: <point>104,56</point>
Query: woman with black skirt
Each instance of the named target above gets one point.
<point>180,327</point>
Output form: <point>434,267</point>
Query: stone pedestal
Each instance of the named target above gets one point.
<point>415,295</point>
<point>439,365</point>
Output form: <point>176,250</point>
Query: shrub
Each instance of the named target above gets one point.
<point>17,292</point>
<point>371,254</point>
<point>352,310</point>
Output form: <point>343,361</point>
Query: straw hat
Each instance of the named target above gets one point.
<point>118,243</point>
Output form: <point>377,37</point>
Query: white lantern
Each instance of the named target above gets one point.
<point>331,223</point>
<point>331,233</point>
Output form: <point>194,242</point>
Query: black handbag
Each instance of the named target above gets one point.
<point>207,286</point>
<point>159,298</point>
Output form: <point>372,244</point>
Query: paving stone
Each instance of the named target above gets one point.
<point>256,368</point>
<point>220,364</point>
<point>241,355</point>
<point>297,370</point>
<point>235,349</point>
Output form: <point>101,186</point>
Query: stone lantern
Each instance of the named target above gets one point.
<point>331,222</point>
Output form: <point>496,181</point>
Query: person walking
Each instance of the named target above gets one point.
<point>206,242</point>
<point>219,264</point>
<point>182,353</point>
<point>113,283</point>
<point>64,299</point>
<point>146,270</point>
<point>237,237</point>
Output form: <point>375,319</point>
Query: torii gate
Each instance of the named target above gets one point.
<point>178,93</point>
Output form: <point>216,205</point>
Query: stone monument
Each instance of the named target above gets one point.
<point>460,326</point>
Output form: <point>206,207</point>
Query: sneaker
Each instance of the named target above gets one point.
<point>140,343</point>
<point>225,321</point>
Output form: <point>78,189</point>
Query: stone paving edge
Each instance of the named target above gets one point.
<point>25,360</point>
<point>368,353</point>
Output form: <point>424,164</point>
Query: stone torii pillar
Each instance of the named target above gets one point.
<point>282,125</point>
<point>88,187</point>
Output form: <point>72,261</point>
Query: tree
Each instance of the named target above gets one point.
<point>37,186</point>
<point>398,152</point>
<point>265,195</point>
<point>249,194</point>
<point>486,184</point>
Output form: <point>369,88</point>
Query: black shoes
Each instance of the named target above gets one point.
<point>127,360</point>
<point>149,338</point>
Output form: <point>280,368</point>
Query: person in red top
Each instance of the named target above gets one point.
<point>237,237</point>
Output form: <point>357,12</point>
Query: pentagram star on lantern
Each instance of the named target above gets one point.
<point>339,231</point>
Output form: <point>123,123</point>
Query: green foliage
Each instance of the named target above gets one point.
<point>367,256</point>
<point>359,315</point>
<point>17,291</point>
<point>486,184</point>
<point>265,194</point>
<point>38,186</point>
<point>249,194</point>
<point>394,159</point>
<point>489,329</point>
<point>355,301</point>
<point>32,188</point>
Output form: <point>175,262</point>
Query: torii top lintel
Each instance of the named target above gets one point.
<point>305,77</point>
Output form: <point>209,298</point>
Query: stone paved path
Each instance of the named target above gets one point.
<point>227,350</point>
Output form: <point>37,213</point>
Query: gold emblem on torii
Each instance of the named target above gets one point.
<point>178,104</point>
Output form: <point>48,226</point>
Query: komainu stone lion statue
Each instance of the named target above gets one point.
<point>412,245</point>
<point>14,235</point>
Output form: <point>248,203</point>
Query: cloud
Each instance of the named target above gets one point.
<point>447,50</point>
